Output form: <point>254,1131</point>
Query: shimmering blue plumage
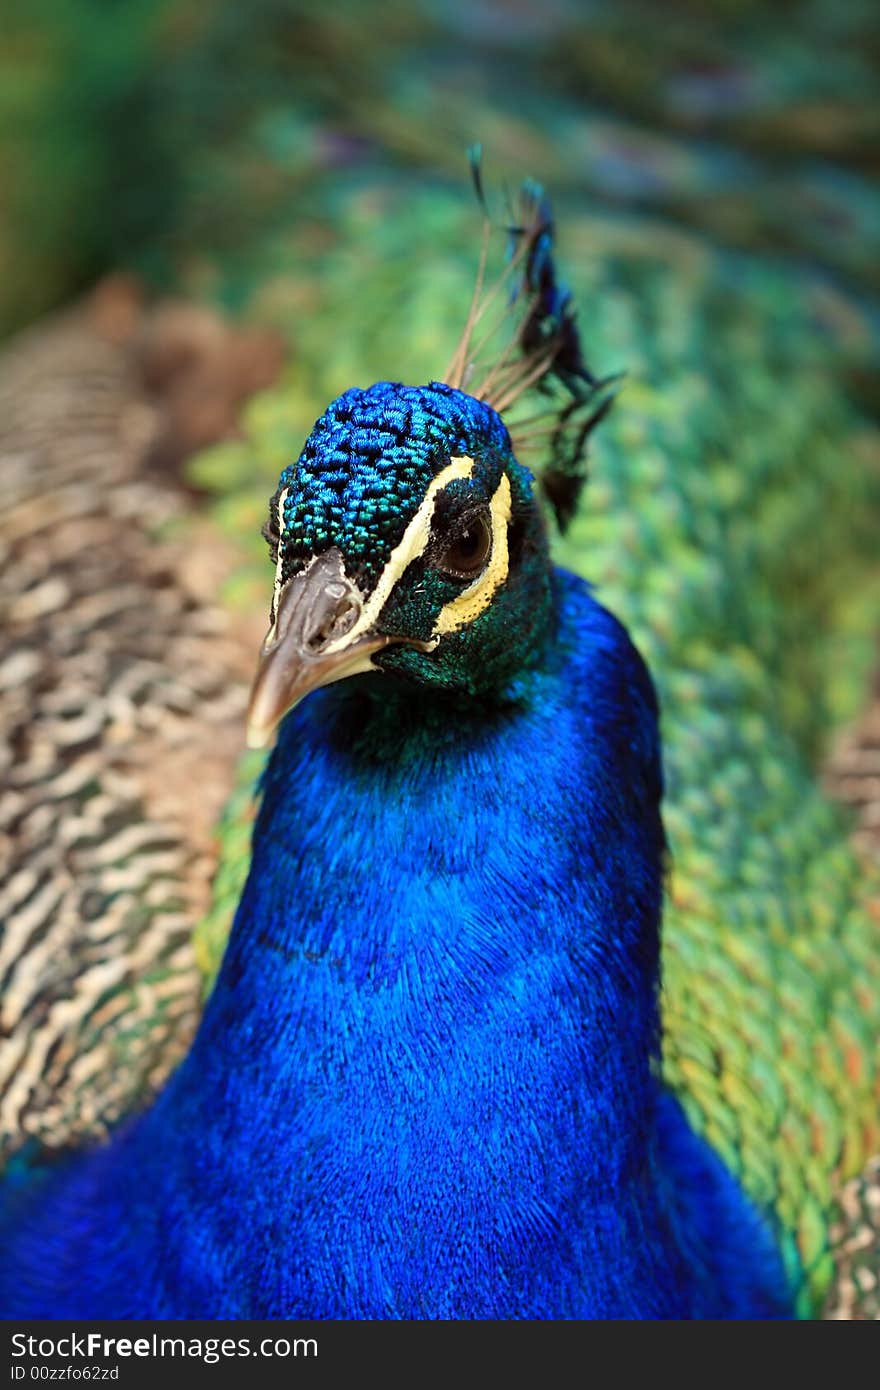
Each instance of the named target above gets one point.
<point>426,1082</point>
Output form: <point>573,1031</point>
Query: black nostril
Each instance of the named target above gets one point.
<point>338,618</point>
<point>346,616</point>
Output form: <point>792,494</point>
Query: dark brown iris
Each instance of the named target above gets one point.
<point>466,554</point>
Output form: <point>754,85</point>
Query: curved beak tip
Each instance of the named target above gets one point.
<point>257,737</point>
<point>297,657</point>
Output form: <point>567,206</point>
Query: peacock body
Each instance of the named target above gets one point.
<point>361,1127</point>
<point>452,1039</point>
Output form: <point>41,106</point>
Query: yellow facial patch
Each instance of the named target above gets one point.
<point>413,544</point>
<point>471,602</point>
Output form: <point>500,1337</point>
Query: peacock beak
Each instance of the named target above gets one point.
<point>306,646</point>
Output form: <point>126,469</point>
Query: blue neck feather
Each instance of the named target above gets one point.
<point>425,1083</point>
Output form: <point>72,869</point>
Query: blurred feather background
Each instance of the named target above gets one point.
<point>215,218</point>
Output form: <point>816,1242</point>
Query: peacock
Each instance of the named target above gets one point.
<point>427,1082</point>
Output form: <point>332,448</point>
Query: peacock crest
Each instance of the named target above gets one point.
<point>531,313</point>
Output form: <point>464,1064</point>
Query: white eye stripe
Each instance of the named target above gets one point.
<point>279,563</point>
<point>467,605</point>
<point>413,544</point>
<point>471,602</point>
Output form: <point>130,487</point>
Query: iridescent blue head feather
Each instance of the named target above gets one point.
<point>407,538</point>
<point>366,467</point>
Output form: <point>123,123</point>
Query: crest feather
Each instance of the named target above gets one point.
<point>543,352</point>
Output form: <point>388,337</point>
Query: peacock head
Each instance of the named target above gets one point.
<point>407,539</point>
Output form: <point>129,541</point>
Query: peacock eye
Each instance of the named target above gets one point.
<point>466,555</point>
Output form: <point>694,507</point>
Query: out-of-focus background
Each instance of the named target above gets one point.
<point>301,167</point>
<point>217,216</point>
<point>194,139</point>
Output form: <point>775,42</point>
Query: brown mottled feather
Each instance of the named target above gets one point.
<point>123,686</point>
